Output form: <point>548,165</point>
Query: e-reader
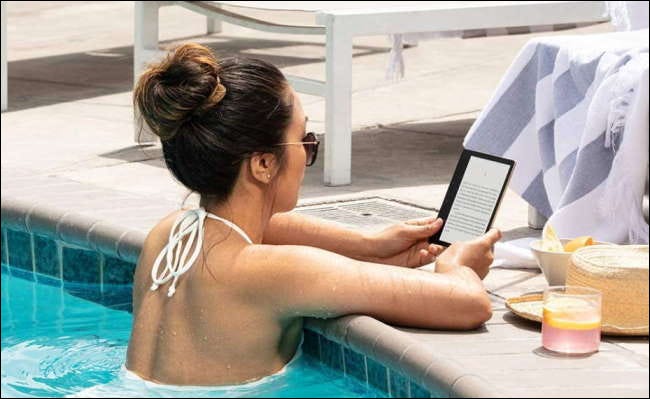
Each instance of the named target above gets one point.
<point>473,197</point>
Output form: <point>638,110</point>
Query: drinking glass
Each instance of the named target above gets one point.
<point>571,319</point>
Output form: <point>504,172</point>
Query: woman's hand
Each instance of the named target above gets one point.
<point>476,254</point>
<point>406,243</point>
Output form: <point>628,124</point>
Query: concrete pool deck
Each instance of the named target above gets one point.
<point>69,168</point>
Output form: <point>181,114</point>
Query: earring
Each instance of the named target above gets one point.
<point>268,176</point>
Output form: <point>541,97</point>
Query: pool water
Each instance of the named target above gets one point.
<point>55,344</point>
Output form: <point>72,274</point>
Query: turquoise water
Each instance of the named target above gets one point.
<point>55,344</point>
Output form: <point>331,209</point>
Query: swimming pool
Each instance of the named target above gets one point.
<point>55,343</point>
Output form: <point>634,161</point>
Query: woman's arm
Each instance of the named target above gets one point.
<point>402,244</point>
<point>292,228</point>
<point>295,281</point>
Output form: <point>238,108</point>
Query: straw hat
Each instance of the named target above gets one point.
<point>620,272</point>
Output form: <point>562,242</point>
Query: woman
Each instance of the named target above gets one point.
<point>220,292</point>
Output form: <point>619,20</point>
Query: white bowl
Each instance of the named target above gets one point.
<point>553,264</point>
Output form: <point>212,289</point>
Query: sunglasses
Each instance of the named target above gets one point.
<point>310,143</point>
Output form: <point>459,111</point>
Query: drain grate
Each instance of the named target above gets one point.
<point>371,212</point>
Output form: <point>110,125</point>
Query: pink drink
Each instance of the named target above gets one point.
<point>570,341</point>
<point>571,320</point>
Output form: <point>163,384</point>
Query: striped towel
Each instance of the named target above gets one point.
<point>572,111</point>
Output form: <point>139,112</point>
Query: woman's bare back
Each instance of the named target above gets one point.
<point>212,330</point>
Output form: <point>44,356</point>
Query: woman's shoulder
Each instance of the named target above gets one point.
<point>165,224</point>
<point>159,233</point>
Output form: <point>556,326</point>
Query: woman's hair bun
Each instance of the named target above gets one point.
<point>183,85</point>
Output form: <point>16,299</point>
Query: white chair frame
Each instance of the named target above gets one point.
<point>342,25</point>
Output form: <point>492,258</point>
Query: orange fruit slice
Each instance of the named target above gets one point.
<point>579,242</point>
<point>567,324</point>
<point>571,314</point>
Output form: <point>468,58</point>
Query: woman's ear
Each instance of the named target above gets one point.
<point>263,166</point>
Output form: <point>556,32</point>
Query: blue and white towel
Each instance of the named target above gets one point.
<point>572,111</point>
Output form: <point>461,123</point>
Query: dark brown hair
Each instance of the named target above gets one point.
<point>211,115</point>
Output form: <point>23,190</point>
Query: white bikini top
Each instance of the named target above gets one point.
<point>189,223</point>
